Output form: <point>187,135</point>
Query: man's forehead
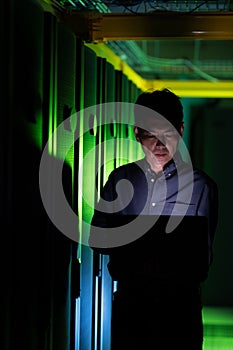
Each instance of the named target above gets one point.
<point>157,125</point>
<point>154,119</point>
<point>161,130</point>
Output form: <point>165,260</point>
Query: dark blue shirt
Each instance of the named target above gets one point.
<point>180,189</point>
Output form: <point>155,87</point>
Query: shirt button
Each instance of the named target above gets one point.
<point>152,180</point>
<point>169,174</point>
<point>153,204</point>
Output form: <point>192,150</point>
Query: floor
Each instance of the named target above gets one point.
<point>218,328</point>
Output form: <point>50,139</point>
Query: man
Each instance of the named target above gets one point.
<point>157,304</point>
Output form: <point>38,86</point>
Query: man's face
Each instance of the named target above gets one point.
<point>159,144</point>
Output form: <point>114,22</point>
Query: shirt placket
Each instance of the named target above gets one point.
<point>156,193</point>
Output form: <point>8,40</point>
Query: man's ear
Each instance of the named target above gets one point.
<point>181,131</point>
<point>135,129</point>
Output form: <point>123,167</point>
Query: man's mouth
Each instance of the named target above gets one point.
<point>160,153</point>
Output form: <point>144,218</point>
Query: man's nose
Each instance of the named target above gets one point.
<point>160,141</point>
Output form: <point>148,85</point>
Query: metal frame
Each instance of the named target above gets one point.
<point>190,88</point>
<point>96,27</point>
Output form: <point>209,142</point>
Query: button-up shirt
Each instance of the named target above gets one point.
<point>179,189</point>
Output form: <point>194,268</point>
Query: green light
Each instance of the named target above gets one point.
<point>72,3</point>
<point>82,3</point>
<point>218,328</point>
<point>218,343</point>
<point>218,316</point>
<point>34,132</point>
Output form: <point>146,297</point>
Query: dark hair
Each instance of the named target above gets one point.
<point>165,102</point>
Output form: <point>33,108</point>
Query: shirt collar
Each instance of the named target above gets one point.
<point>169,168</point>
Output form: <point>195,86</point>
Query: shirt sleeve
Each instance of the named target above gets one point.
<point>98,239</point>
<point>209,206</point>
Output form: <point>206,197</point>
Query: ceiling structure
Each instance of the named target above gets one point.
<point>158,40</point>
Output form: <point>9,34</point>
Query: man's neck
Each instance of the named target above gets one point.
<point>156,166</point>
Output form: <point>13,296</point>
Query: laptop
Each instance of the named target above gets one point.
<point>181,252</point>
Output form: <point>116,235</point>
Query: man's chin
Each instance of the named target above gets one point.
<point>161,158</point>
<point>158,160</point>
